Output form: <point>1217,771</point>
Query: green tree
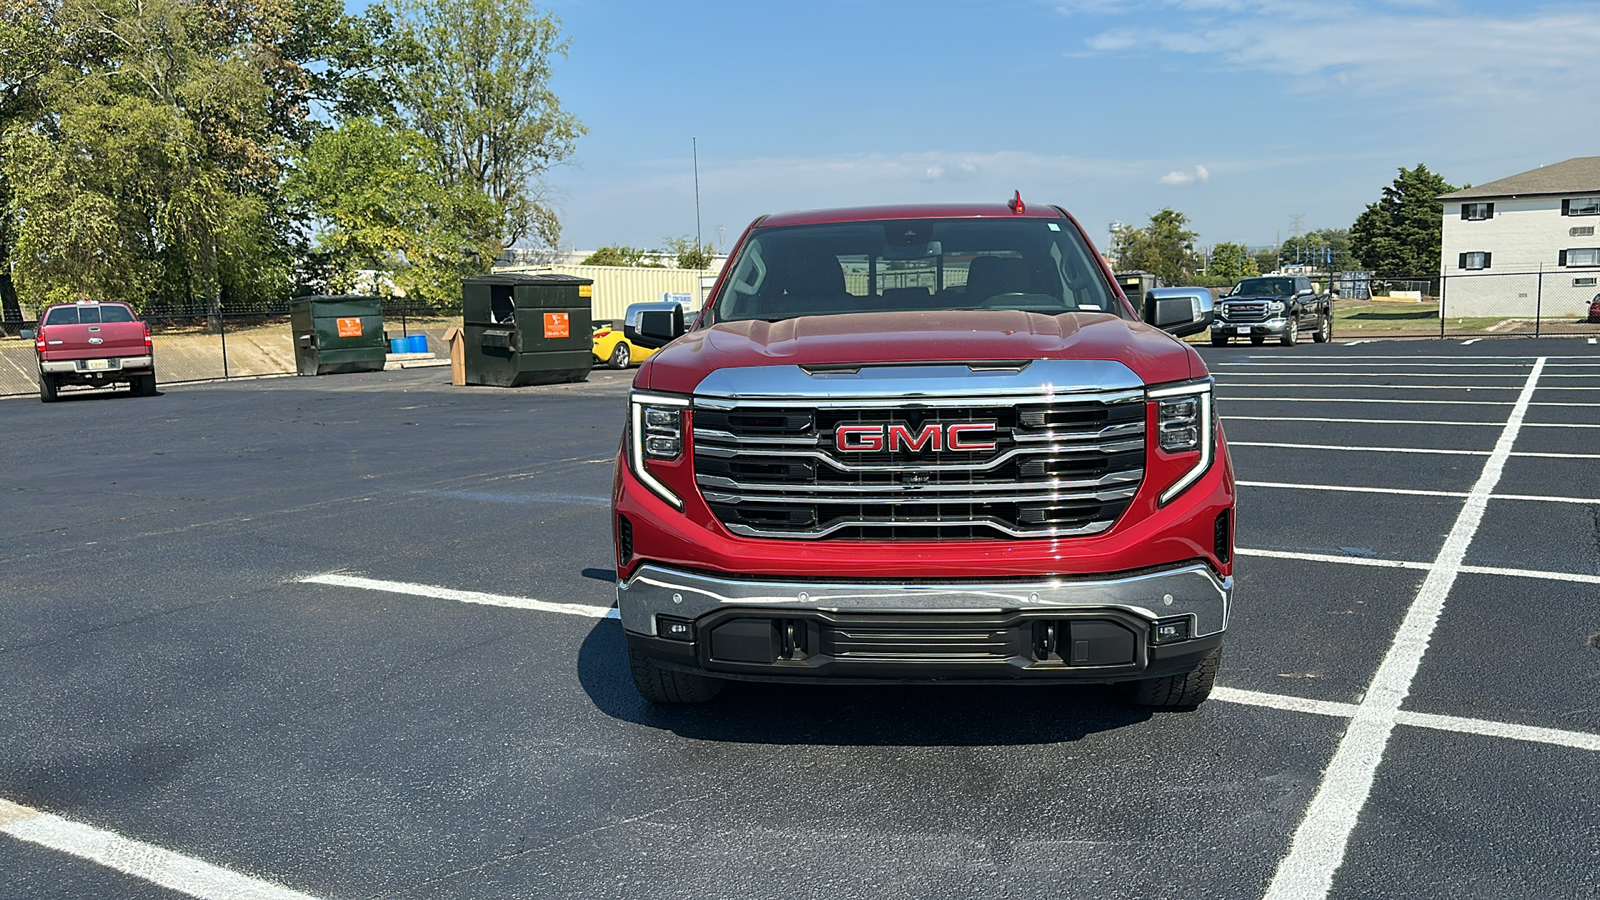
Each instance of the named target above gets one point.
<point>1266,260</point>
<point>1232,261</point>
<point>473,77</point>
<point>1309,248</point>
<point>688,255</point>
<point>619,255</point>
<point>381,206</point>
<point>30,44</point>
<point>1164,247</point>
<point>1401,233</point>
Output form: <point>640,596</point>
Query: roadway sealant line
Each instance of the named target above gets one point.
<point>444,593</point>
<point>1374,563</point>
<point>146,862</point>
<point>1318,847</point>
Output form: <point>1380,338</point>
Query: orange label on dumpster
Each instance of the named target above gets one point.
<point>557,325</point>
<point>349,328</point>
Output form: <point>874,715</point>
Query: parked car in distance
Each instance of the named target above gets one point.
<point>95,344</point>
<point>616,348</point>
<point>1594,309</point>
<point>1279,306</point>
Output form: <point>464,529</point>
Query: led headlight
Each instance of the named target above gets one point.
<point>1275,306</point>
<point>655,432</point>
<point>1184,424</point>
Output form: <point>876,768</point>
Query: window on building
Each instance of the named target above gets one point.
<point>1585,282</point>
<point>1477,212</point>
<point>1581,206</point>
<point>1581,231</point>
<point>1477,260</point>
<point>1582,256</point>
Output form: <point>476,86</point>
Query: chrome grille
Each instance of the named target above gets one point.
<point>1253,311</point>
<point>1060,467</point>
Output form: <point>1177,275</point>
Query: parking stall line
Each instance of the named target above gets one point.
<point>1405,401</point>
<point>1578,739</point>
<point>1559,425</point>
<point>146,862</point>
<point>443,593</point>
<point>1374,563</point>
<point>1381,387</point>
<point>1522,374</point>
<point>1284,702</point>
<point>1357,449</point>
<point>1317,850</point>
<point>1356,421</point>
<point>1347,489</point>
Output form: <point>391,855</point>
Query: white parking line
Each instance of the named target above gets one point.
<point>1356,421</point>
<point>1368,400</point>
<point>1373,563</point>
<point>1581,740</point>
<point>170,870</point>
<point>444,593</point>
<point>1254,372</point>
<point>1357,449</point>
<point>1341,489</point>
<point>1318,847</point>
<point>1230,385</point>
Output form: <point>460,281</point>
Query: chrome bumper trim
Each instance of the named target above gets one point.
<point>1191,590</point>
<point>118,364</point>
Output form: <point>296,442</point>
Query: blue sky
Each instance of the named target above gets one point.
<point>1239,113</point>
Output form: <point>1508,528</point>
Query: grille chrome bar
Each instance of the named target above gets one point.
<point>880,522</point>
<point>908,493</point>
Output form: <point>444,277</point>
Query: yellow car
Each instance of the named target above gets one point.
<point>614,350</point>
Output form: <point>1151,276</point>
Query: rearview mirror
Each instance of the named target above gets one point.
<point>656,327</point>
<point>26,334</point>
<point>1179,311</point>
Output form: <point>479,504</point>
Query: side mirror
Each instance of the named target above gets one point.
<point>656,327</point>
<point>1179,311</point>
<point>26,334</point>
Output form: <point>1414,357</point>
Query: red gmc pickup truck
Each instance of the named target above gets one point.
<point>96,344</point>
<point>925,443</point>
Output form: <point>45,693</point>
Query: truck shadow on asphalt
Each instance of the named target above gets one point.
<point>853,715</point>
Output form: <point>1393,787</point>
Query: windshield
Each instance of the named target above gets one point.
<point>914,265</point>
<point>1264,287</point>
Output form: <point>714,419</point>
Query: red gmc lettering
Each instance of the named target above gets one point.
<point>900,437</point>
<point>860,438</point>
<point>955,441</point>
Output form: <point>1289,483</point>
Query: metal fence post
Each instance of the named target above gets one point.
<point>1443,281</point>
<point>1538,302</point>
<point>222,329</point>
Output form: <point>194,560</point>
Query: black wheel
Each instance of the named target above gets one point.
<point>144,385</point>
<point>1325,330</point>
<point>1177,691</point>
<point>1258,339</point>
<point>1219,340</point>
<point>1292,336</point>
<point>47,388</point>
<point>660,685</point>
<point>620,356</point>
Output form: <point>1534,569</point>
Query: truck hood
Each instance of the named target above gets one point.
<point>919,337</point>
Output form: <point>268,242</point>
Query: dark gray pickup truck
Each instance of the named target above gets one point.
<point>1285,307</point>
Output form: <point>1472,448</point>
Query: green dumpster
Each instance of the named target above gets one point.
<point>526,329</point>
<point>333,335</point>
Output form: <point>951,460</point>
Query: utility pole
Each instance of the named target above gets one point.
<point>694,146</point>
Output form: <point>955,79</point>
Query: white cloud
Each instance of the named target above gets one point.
<point>1199,174</point>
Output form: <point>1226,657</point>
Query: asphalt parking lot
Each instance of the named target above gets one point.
<point>347,637</point>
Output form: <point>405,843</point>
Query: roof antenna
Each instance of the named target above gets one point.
<point>1016,204</point>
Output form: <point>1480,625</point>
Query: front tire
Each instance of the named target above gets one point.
<point>1292,336</point>
<point>660,685</point>
<point>1185,691</point>
<point>47,388</point>
<point>1325,330</point>
<point>620,356</point>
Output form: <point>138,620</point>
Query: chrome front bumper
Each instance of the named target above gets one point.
<point>1188,590</point>
<point>114,364</point>
<point>1270,326</point>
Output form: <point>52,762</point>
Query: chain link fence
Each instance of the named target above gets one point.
<point>194,346</point>
<point>1472,304</point>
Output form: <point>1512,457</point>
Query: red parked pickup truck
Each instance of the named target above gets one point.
<point>925,443</point>
<point>95,344</point>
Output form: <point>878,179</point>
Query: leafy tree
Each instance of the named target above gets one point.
<point>1164,247</point>
<point>382,205</point>
<point>473,78</point>
<point>1309,248</point>
<point>1232,261</point>
<point>618,255</point>
<point>1266,260</point>
<point>30,44</point>
<point>1401,233</point>
<point>690,256</point>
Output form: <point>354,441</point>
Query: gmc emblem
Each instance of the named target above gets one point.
<point>962,436</point>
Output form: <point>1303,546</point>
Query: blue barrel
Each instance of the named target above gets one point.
<point>398,345</point>
<point>418,343</point>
